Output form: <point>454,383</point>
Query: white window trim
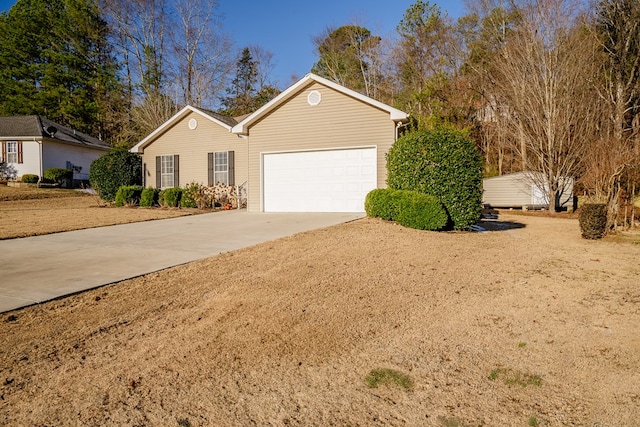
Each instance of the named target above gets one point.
<point>12,156</point>
<point>166,177</point>
<point>221,175</point>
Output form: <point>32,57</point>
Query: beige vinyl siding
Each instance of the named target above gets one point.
<point>339,121</point>
<point>192,145</point>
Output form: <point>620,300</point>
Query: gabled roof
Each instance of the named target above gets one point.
<point>242,127</point>
<point>224,121</point>
<point>38,127</point>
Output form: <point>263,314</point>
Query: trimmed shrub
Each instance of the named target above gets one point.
<point>444,163</point>
<point>382,203</point>
<point>58,175</point>
<point>421,211</point>
<point>114,169</point>
<point>29,178</point>
<point>128,195</point>
<point>170,197</point>
<point>593,220</point>
<point>408,208</point>
<point>149,197</point>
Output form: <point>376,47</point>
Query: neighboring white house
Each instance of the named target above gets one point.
<point>522,190</point>
<point>33,144</point>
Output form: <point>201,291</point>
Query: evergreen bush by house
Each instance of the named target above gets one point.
<point>114,169</point>
<point>29,178</point>
<point>408,208</point>
<point>421,211</point>
<point>128,195</point>
<point>58,175</point>
<point>593,220</point>
<point>171,197</point>
<point>444,163</point>
<point>382,203</point>
<point>149,197</point>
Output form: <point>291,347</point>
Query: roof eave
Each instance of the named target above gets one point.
<point>76,144</point>
<point>20,138</point>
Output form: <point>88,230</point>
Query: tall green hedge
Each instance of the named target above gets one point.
<point>114,169</point>
<point>444,163</point>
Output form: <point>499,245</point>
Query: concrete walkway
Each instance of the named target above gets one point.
<point>37,269</point>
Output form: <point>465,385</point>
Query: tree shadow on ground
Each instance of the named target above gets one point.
<point>495,225</point>
<point>490,222</point>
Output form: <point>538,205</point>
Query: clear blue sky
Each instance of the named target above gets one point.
<point>286,27</point>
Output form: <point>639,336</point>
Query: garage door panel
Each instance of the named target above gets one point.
<point>318,181</point>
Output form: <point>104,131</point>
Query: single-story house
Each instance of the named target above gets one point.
<point>33,144</point>
<point>316,147</point>
<point>523,190</point>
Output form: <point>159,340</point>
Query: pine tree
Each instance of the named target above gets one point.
<point>55,61</point>
<point>242,92</point>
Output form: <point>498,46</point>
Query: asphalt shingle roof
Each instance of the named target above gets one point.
<point>228,120</point>
<point>41,127</point>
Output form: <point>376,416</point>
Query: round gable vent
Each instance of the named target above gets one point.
<point>193,123</point>
<point>314,98</point>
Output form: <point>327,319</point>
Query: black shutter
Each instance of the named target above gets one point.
<point>4,151</point>
<point>231,164</point>
<point>144,174</point>
<point>158,172</point>
<point>210,168</point>
<point>19,144</point>
<point>176,170</point>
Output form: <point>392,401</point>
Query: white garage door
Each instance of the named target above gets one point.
<point>318,181</point>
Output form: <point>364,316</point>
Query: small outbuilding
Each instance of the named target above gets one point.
<point>522,190</point>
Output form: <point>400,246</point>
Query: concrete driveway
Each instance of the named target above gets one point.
<point>41,268</point>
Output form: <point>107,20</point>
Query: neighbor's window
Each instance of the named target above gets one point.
<point>12,152</point>
<point>166,171</point>
<point>221,167</point>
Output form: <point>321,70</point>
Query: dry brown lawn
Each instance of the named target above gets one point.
<point>528,326</point>
<point>33,211</point>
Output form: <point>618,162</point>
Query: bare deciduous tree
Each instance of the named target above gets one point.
<point>152,113</point>
<point>201,52</point>
<point>349,55</point>
<point>617,149</point>
<point>543,76</point>
<point>139,30</point>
